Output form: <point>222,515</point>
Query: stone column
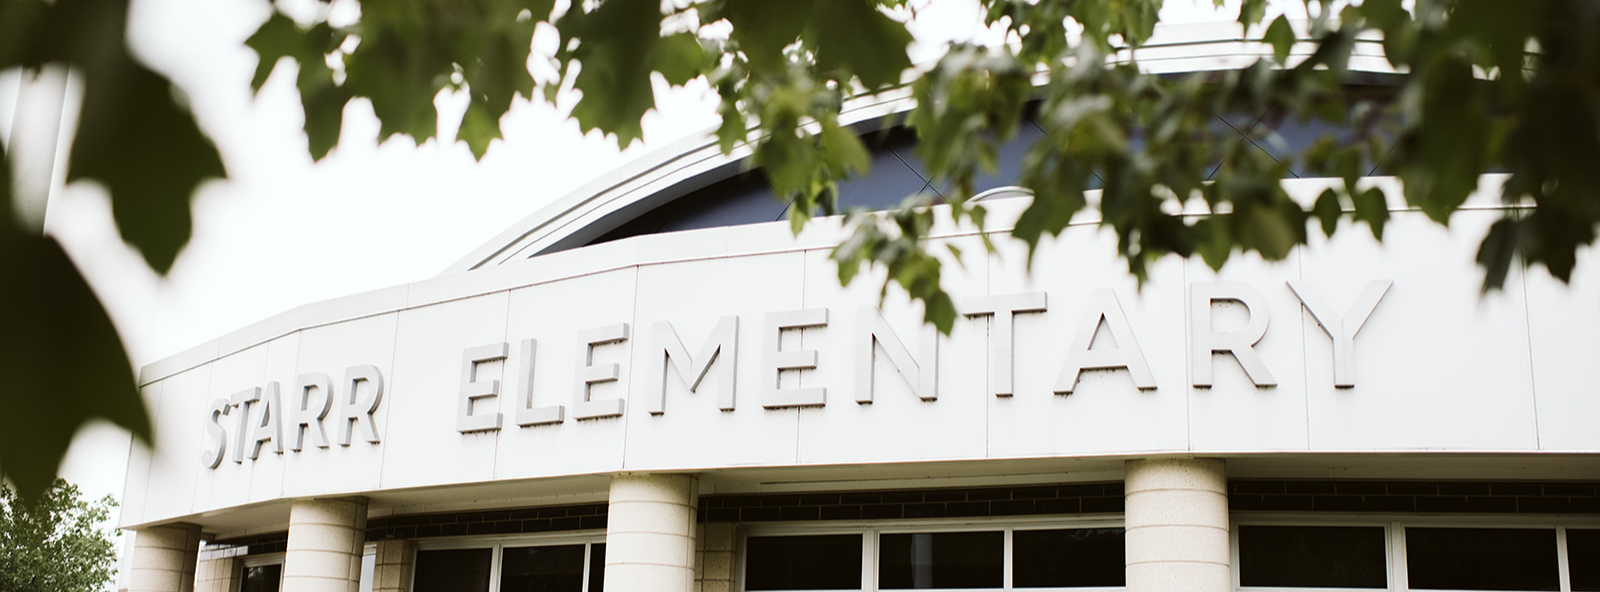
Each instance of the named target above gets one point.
<point>650,533</point>
<point>392,570</point>
<point>164,558</point>
<point>326,537</point>
<point>1177,521</point>
<point>217,575</point>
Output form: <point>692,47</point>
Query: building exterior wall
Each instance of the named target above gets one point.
<point>659,401</point>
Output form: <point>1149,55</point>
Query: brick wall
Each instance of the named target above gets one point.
<point>1423,497</point>
<point>533,520</point>
<point>930,503</point>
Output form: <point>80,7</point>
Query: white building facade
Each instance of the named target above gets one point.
<point>709,410</point>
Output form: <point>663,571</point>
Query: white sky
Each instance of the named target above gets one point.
<point>282,231</point>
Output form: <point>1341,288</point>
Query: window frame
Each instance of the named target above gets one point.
<point>1395,539</point>
<point>248,561</point>
<point>870,530</point>
<point>497,544</point>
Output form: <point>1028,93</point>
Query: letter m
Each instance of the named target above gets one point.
<point>723,344</point>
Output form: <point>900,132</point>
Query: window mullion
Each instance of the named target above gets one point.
<point>869,561</point>
<point>1563,568</point>
<point>1397,554</point>
<point>1005,564</point>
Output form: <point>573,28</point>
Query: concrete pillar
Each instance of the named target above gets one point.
<point>650,533</point>
<point>1177,521</point>
<point>392,570</point>
<point>713,558</point>
<point>164,558</point>
<point>218,575</point>
<point>326,537</point>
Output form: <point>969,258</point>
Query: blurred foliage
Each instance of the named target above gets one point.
<point>1511,86</point>
<point>53,542</point>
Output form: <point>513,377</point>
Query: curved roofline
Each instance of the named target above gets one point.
<point>693,162</point>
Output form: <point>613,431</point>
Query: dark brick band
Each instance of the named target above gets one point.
<point>1425,497</point>
<point>532,520</point>
<point>1029,500</point>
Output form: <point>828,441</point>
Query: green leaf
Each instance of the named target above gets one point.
<point>277,38</point>
<point>762,28</point>
<point>1384,14</point>
<point>1372,208</point>
<point>854,37</point>
<point>845,150</point>
<point>678,58</point>
<point>324,109</point>
<point>147,150</point>
<point>479,126</point>
<point>1497,252</point>
<point>1281,36</point>
<point>63,365</point>
<point>1328,211</point>
<point>615,54</point>
<point>1251,12</point>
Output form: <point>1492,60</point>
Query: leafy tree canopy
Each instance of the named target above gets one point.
<point>54,542</point>
<point>1487,84</point>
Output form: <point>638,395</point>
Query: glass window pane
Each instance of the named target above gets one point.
<point>453,570</point>
<point>1583,559</point>
<point>1313,556</point>
<point>542,569</point>
<point>825,562</point>
<point>923,561</point>
<point>1068,558</point>
<point>1482,558</point>
<point>262,578</point>
<point>597,567</point>
<point>369,566</point>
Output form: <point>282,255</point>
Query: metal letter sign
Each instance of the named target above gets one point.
<point>1342,329</point>
<point>476,393</point>
<point>772,395</point>
<point>590,374</point>
<point>722,345</point>
<point>527,414</point>
<point>1104,307</point>
<point>1001,332</point>
<point>1241,343</point>
<point>922,375</point>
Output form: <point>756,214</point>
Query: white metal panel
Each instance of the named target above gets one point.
<point>1439,366</point>
<point>1105,413</point>
<point>176,459</point>
<point>422,446</point>
<point>553,314</point>
<point>897,424</point>
<point>331,350</point>
<point>1278,413</point>
<point>1564,328</point>
<point>137,478</point>
<point>694,296</point>
<point>282,363</point>
<point>229,483</point>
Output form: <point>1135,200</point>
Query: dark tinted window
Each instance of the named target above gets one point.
<point>597,567</point>
<point>1583,559</point>
<point>1313,556</point>
<point>262,578</point>
<point>542,569</point>
<point>825,562</point>
<point>1068,558</point>
<point>452,570</point>
<point>941,560</point>
<point>1482,559</point>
